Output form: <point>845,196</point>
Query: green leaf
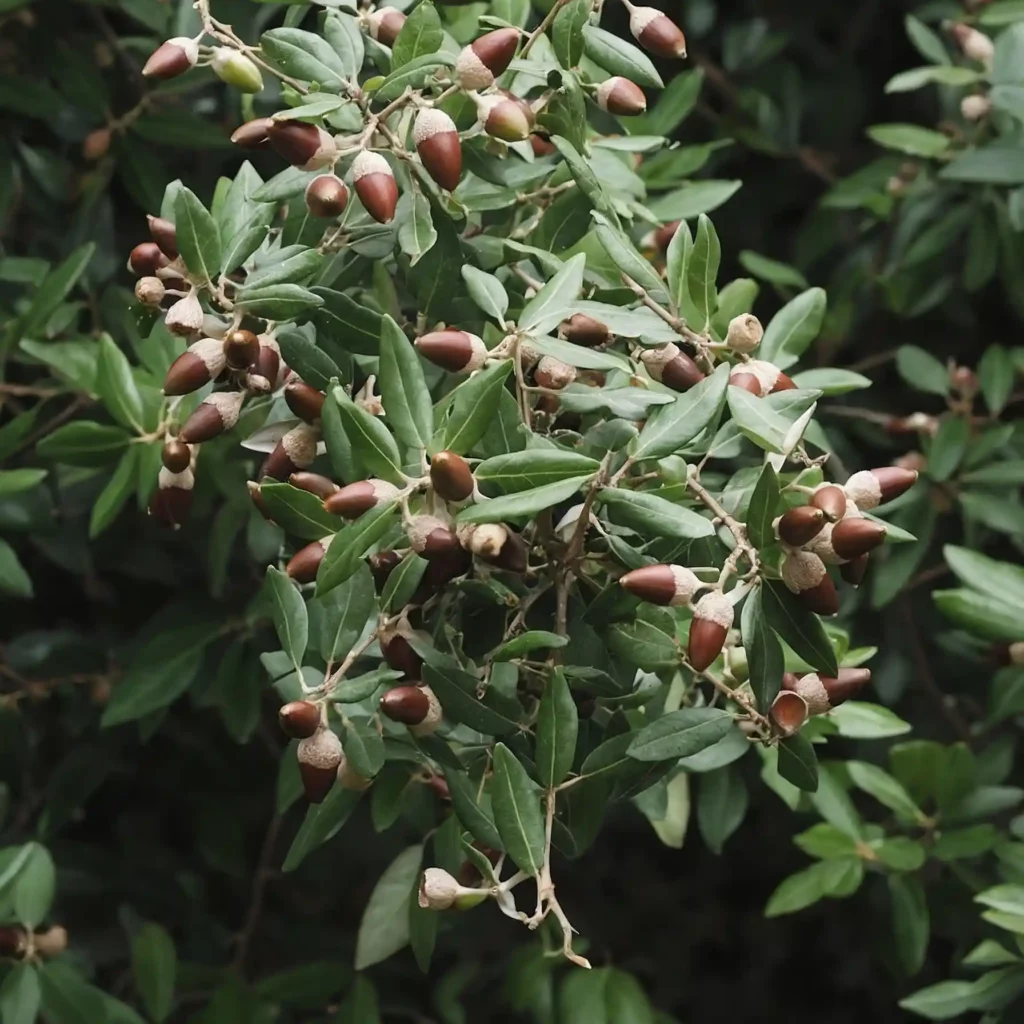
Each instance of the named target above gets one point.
<point>620,403</point>
<point>311,363</point>
<point>910,138</point>
<point>671,427</point>
<point>402,582</point>
<point>487,292</point>
<point>154,965</point>
<point>403,387</point>
<point>473,815</point>
<point>948,447</point>
<point>680,734</point>
<point>943,1001</point>
<point>826,878</point>
<point>350,545</point>
<point>916,78</point>
<point>346,39</point>
<point>242,222</point>
<point>619,57</point>
<point>112,498</point>
<point>989,617</point>
<point>421,34</point>
<point>371,440</point>
<point>801,629</point>
<point>557,728</point>
<point>765,659</point>
<point>624,255</point>
<point>412,75</point>
<point>862,721</point>
<point>554,302</point>
<point>471,409</point>
<point>306,56</point>
<point>885,789</point>
<point>55,288</point>
<point>360,1005</point>
<point>13,578</point>
<point>567,32</point>
<point>116,386</point>
<point>517,813</point>
<point>1001,580</point>
<point>289,614</point>
<point>34,887</point>
<point>522,503</point>
<point>522,471</point>
<point>384,929</point>
<point>761,510</point>
<point>757,420</point>
<point>798,763</point>
<point>322,822</point>
<point>654,517</point>
<point>532,640</point>
<point>20,995</point>
<point>921,370</point>
<point>721,807</point>
<point>649,642</point>
<point>456,690</point>
<point>359,688</point>
<point>364,748</point>
<point>67,998</point>
<point>344,614</point>
<point>780,274</point>
<point>298,512</point>
<point>998,163</point>
<point>693,199</point>
<point>793,328</point>
<point>996,377</point>
<point>702,271</point>
<point>277,301</point>
<point>349,324</point>
<point>416,232</point>
<point>198,239</point>
<point>831,381</point>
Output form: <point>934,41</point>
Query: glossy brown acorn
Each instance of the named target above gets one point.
<point>382,565</point>
<point>305,563</point>
<point>873,487</point>
<point>712,620</point>
<point>622,97</point>
<point>822,599</point>
<point>295,451</point>
<point>253,134</point>
<point>375,184</point>
<point>268,362</point>
<point>681,373</point>
<point>326,196</point>
<point>657,33</point>
<point>241,349</point>
<point>854,571</point>
<point>585,330</point>
<point>198,365</point>
<point>399,655</point>
<point>176,456</point>
<point>146,259</point>
<point>172,58</point>
<point>451,477</point>
<point>163,233</point>
<point>302,144</point>
<point>831,500</point>
<point>855,537</point>
<point>385,23</point>
<point>215,414</point>
<point>799,525</point>
<point>352,500</point>
<point>848,683</point>
<point>314,483</point>
<point>456,351</point>
<point>486,58</point>
<point>437,141</point>
<point>432,537</point>
<point>319,756</point>
<point>304,400</point>
<point>664,235</point>
<point>541,146</point>
<point>747,381</point>
<point>299,719</point>
<point>503,118</point>
<point>170,503</point>
<point>661,584</point>
<point>406,704</point>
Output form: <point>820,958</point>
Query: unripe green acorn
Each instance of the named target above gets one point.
<point>502,118</point>
<point>326,196</point>
<point>620,96</point>
<point>375,184</point>
<point>172,58</point>
<point>736,662</point>
<point>234,68</point>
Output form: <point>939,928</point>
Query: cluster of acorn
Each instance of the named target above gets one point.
<point>813,694</point>
<point>16,943</point>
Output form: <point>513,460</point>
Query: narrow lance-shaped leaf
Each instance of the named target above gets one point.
<point>516,803</point>
<point>557,727</point>
<point>403,387</point>
<point>288,611</point>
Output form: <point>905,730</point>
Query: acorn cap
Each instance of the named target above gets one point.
<point>304,400</point>
<point>196,366</point>
<point>451,477</point>
<point>319,757</point>
<point>621,97</point>
<point>350,779</point>
<point>666,585</point>
<point>437,141</point>
<point>854,571</point>
<point>241,349</point>
<point>854,537</point>
<point>375,184</point>
<point>657,33</point>
<point>789,711</point>
<point>302,144</point>
<point>295,451</point>
<point>150,290</point>
<point>299,719</point>
<point>456,351</point>
<point>176,456</point>
<point>305,563</point>
<point>384,24</point>
<point>314,483</point>
<point>163,233</point>
<point>172,58</point>
<point>399,655</point>
<point>431,537</point>
<point>470,71</point>
<point>831,499</point>
<point>800,525</point>
<point>326,196</point>
<point>712,619</point>
<point>409,705</point>
<point>254,134</point>
<point>185,317</point>
<point>214,414</point>
<point>146,259</point>
<point>744,334</point>
<point>352,500</point>
<point>585,330</point>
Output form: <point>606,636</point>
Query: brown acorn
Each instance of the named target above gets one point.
<point>170,503</point>
<point>375,184</point>
<point>302,144</point>
<point>554,374</point>
<point>241,349</point>
<point>712,619</point>
<point>854,571</point>
<point>432,537</point>
<point>672,367</point>
<point>502,118</point>
<point>253,134</point>
<point>541,146</point>
<point>799,525</point>
<point>305,563</point>
<point>622,97</point>
<point>384,24</point>
<point>437,141</point>
<point>523,105</point>
<point>268,362</point>
<point>163,233</point>
<point>445,568</point>
<point>299,719</point>
<point>804,573</point>
<point>314,483</point>
<point>872,487</point>
<point>656,33</point>
<point>146,259</point>
<point>295,451</point>
<point>326,196</point>
<point>352,500</point>
<point>13,942</point>
<point>176,456</point>
<point>456,351</point>
<point>747,381</point>
<point>256,496</point>
<point>768,375</point>
<point>585,330</point>
<point>849,682</point>
<point>667,585</point>
<point>409,705</point>
<point>451,477</point>
<point>304,400</point>
<point>789,711</point>
<point>783,383</point>
<point>664,235</point>
<point>486,58</point>
<point>831,499</point>
<point>319,756</point>
<point>197,365</point>
<point>214,414</point>
<point>854,537</point>
<point>172,58</point>
<point>382,565</point>
<point>96,144</point>
<point>399,655</point>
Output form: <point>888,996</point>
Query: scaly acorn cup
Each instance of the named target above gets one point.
<point>185,317</point>
<point>656,32</point>
<point>375,184</point>
<point>176,456</point>
<point>299,719</point>
<point>302,144</point>
<point>234,68</point>
<point>326,196</point>
<point>254,134</point>
<point>384,24</point>
<point>667,585</point>
<point>350,779</point>
<point>873,487</point>
<point>172,58</point>
<point>195,367</point>
<point>214,414</point>
<point>502,118</point>
<point>672,367</point>
<point>800,525</point>
<point>163,233</point>
<point>804,573</point>
<point>854,571</point>
<point>170,502</point>
<point>788,712</point>
<point>552,373</point>
<point>585,330</point>
<point>314,483</point>
<point>150,291</point>
<point>831,499</point>
<point>437,141</point>
<point>823,693</point>
<point>455,351</point>
<point>319,756</point>
<point>744,334</point>
<point>495,544</point>
<point>712,619</point>
<point>486,58</point>
<point>399,655</point>
<point>621,97</point>
<point>304,400</point>
<point>975,108</point>
<point>146,259</point>
<point>451,477</point>
<point>352,500</point>
<point>432,537</point>
<point>295,451</point>
<point>305,563</point>
<point>241,349</point>
<point>855,537</point>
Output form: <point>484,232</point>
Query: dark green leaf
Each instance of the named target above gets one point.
<point>680,734</point>
<point>198,239</point>
<point>298,512</point>
<point>801,629</point>
<point>289,614</point>
<point>557,727</point>
<point>154,965</point>
<point>798,763</point>
<point>761,510</point>
<point>517,813</point>
<point>402,384</point>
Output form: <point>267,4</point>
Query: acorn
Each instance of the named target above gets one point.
<point>172,58</point>
<point>431,537</point>
<point>664,235</point>
<point>800,525</point>
<point>399,655</point>
<point>319,756</point>
<point>352,500</point>
<point>855,537</point>
<point>823,693</point>
<point>305,563</point>
<point>302,144</point>
<point>414,706</point>
<point>236,69</point>
<point>254,134</point>
<point>214,414</point>
<point>455,351</point>
<point>495,544</point>
<point>854,571</point>
<point>172,499</point>
<point>656,33</point>
<point>241,349</point>
<point>872,487</point>
<point>451,477</point>
<point>847,684</point>
<point>196,366</point>
<point>789,711</point>
<point>621,97</point>
<point>304,400</point>
<point>96,144</point>
<point>52,942</point>
<point>326,196</point>
<point>13,942</point>
<point>672,367</point>
<point>740,379</point>
<point>974,44</point>
<point>522,104</point>
<point>375,184</point>
<point>831,499</point>
<point>744,334</point>
<point>667,585</point>
<point>541,146</point>
<point>268,362</point>
<point>384,25</point>
<point>163,233</point>
<point>502,118</point>
<point>445,568</point>
<point>299,719</point>
<point>256,495</point>
<point>185,317</point>
<point>176,456</point>
<point>295,451</point>
<point>804,574</point>
<point>146,259</point>
<point>585,330</point>
<point>314,483</point>
<point>552,373</point>
<point>150,291</point>
<point>712,619</point>
<point>437,141</point>
<point>486,58</point>
<point>975,108</point>
<point>769,376</point>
